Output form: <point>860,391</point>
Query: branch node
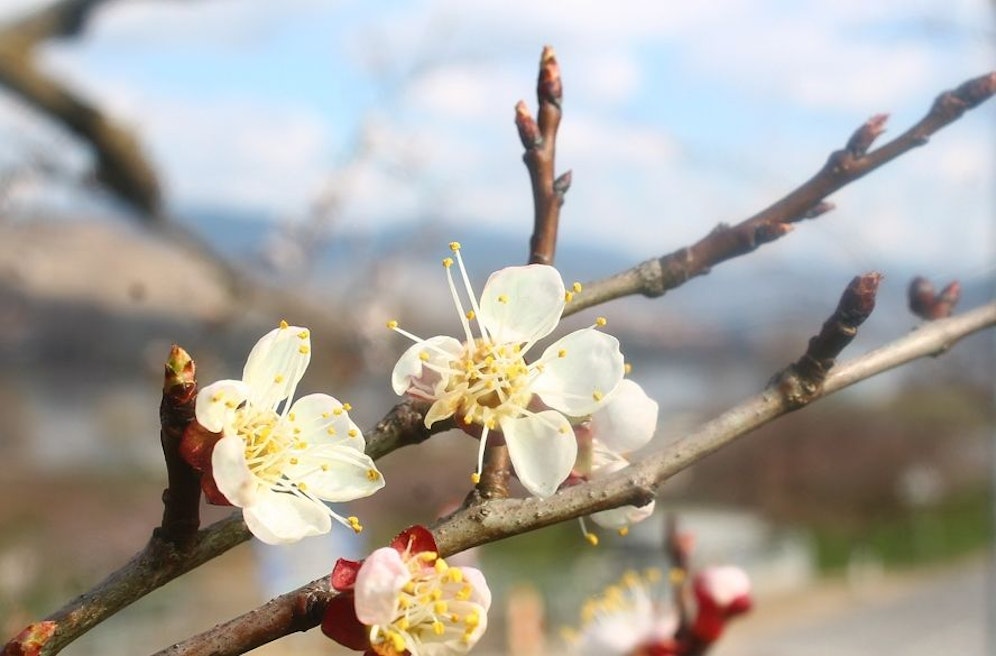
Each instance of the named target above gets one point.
<point>863,137</point>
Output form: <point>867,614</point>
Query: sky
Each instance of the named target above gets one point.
<point>677,116</point>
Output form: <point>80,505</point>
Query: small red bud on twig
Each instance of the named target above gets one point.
<point>924,303</point>
<point>865,136</point>
<point>549,87</point>
<point>529,132</point>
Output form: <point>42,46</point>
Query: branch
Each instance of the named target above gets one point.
<point>497,519</point>
<point>658,275</point>
<point>540,141</point>
<point>121,165</point>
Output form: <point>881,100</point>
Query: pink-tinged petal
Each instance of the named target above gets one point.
<point>282,518</point>
<point>322,419</point>
<point>216,403</point>
<point>276,364</point>
<point>522,304</point>
<point>340,624</point>
<point>542,449</point>
<point>627,421</point>
<point>414,539</point>
<point>580,371</point>
<point>378,583</point>
<point>722,587</point>
<point>344,574</point>
<point>231,474</point>
<point>337,473</point>
<point>420,377</point>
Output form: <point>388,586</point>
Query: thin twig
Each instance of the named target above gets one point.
<point>658,275</point>
<point>182,497</point>
<point>539,138</point>
<point>636,485</point>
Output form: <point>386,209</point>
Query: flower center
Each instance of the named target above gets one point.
<point>266,444</point>
<point>423,607</point>
<point>493,381</point>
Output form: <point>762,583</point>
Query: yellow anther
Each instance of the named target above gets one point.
<point>438,628</point>
<point>293,461</point>
<point>577,287</point>
<point>402,623</point>
<point>592,539</point>
<point>601,321</point>
<point>291,416</point>
<point>373,475</point>
<point>624,531</point>
<point>409,587</point>
<point>503,298</point>
<point>472,619</point>
<point>392,324</point>
<point>304,334</point>
<point>454,246</point>
<point>676,576</point>
<point>337,411</point>
<point>652,574</point>
<point>627,368</point>
<point>326,414</point>
<point>215,398</point>
<point>283,324</point>
<point>278,378</point>
<point>325,466</point>
<point>423,356</point>
<point>441,566</point>
<point>428,556</point>
<point>475,478</point>
<point>447,262</point>
<point>440,607</point>
<point>353,432</point>
<point>562,353</point>
<point>397,641</point>
<point>568,297</point>
<point>598,396</point>
<point>303,349</point>
<point>354,523</point>
<point>330,430</point>
<point>470,315</point>
<point>302,486</point>
<point>231,404</point>
<point>347,407</point>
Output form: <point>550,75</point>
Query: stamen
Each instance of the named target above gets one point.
<point>283,325</point>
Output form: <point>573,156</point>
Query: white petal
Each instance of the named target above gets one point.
<point>480,592</point>
<point>348,474</point>
<point>522,304</point>
<point>216,403</point>
<point>627,421</point>
<point>542,449</point>
<point>617,518</point>
<point>421,377</point>
<point>231,473</point>
<point>281,518</point>
<point>579,371</point>
<point>321,419</point>
<point>378,583</point>
<point>276,364</point>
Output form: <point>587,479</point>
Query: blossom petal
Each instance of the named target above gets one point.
<point>216,403</point>
<point>542,449</point>
<point>340,624</point>
<point>480,592</point>
<point>522,304</point>
<point>627,421</point>
<point>276,364</point>
<point>335,472</point>
<point>378,583</point>
<point>579,371</point>
<point>322,419</point>
<point>624,516</point>
<point>282,518</point>
<point>422,377</point>
<point>454,639</point>
<point>231,472</point>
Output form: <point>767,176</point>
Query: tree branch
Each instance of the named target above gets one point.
<point>658,275</point>
<point>121,165</point>
<point>496,519</point>
<point>539,138</point>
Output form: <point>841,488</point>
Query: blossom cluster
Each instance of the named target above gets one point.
<point>566,416</point>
